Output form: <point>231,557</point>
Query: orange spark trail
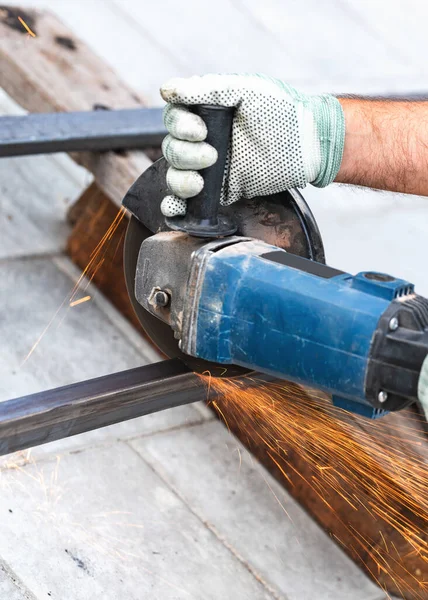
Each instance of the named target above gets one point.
<point>80,301</point>
<point>344,465</point>
<point>24,24</point>
<point>95,263</point>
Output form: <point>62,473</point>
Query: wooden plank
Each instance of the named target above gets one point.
<point>134,51</point>
<point>56,71</point>
<point>93,215</point>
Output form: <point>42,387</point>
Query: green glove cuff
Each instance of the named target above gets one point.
<point>330,121</point>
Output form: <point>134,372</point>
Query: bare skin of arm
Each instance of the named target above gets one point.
<point>386,145</point>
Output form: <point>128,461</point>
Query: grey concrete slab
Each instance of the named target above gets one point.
<point>10,588</point>
<point>343,49</point>
<point>34,198</point>
<point>259,520</point>
<point>79,343</point>
<point>322,47</point>
<point>35,193</point>
<point>102,524</point>
<point>166,421</point>
<point>134,338</point>
<point>136,52</point>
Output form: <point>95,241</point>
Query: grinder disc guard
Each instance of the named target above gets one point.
<point>283,220</point>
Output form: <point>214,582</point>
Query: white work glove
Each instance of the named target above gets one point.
<point>281,138</point>
<point>423,387</point>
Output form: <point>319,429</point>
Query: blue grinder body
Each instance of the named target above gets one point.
<point>290,317</point>
<point>240,301</point>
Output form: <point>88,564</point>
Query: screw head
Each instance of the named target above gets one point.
<point>382,396</point>
<point>393,324</point>
<point>161,298</point>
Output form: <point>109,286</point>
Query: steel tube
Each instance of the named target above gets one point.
<point>47,416</point>
<point>96,130</point>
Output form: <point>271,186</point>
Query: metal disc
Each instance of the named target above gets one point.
<point>159,332</point>
<point>283,220</point>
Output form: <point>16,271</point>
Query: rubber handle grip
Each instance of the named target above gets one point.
<point>202,217</point>
<point>206,204</point>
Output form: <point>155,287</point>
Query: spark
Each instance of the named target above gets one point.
<point>346,462</point>
<point>240,459</point>
<point>96,261</point>
<point>80,301</point>
<point>26,27</point>
<point>220,412</point>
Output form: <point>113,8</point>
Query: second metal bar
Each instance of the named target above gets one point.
<point>62,412</point>
<point>96,130</point>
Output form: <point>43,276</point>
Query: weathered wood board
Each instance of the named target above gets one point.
<point>55,71</point>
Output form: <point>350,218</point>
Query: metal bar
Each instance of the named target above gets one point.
<point>97,130</point>
<point>400,96</point>
<point>47,416</point>
<point>411,96</point>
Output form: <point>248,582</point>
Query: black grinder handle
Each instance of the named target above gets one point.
<point>202,218</point>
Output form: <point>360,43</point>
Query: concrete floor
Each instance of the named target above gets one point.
<point>170,506</point>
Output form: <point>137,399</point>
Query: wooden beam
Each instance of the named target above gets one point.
<point>365,534</point>
<point>56,71</point>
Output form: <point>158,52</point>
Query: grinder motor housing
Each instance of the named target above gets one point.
<point>242,301</point>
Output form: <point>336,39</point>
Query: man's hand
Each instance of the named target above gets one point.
<point>281,138</point>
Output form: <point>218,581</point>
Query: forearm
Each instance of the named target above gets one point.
<point>386,145</point>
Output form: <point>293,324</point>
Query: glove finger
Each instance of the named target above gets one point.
<point>184,184</point>
<point>188,155</point>
<point>172,206</point>
<point>224,90</point>
<point>183,124</point>
<point>212,89</point>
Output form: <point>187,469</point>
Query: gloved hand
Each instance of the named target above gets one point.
<point>281,138</point>
<point>423,387</point>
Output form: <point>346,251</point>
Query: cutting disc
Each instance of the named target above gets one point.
<point>283,220</point>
